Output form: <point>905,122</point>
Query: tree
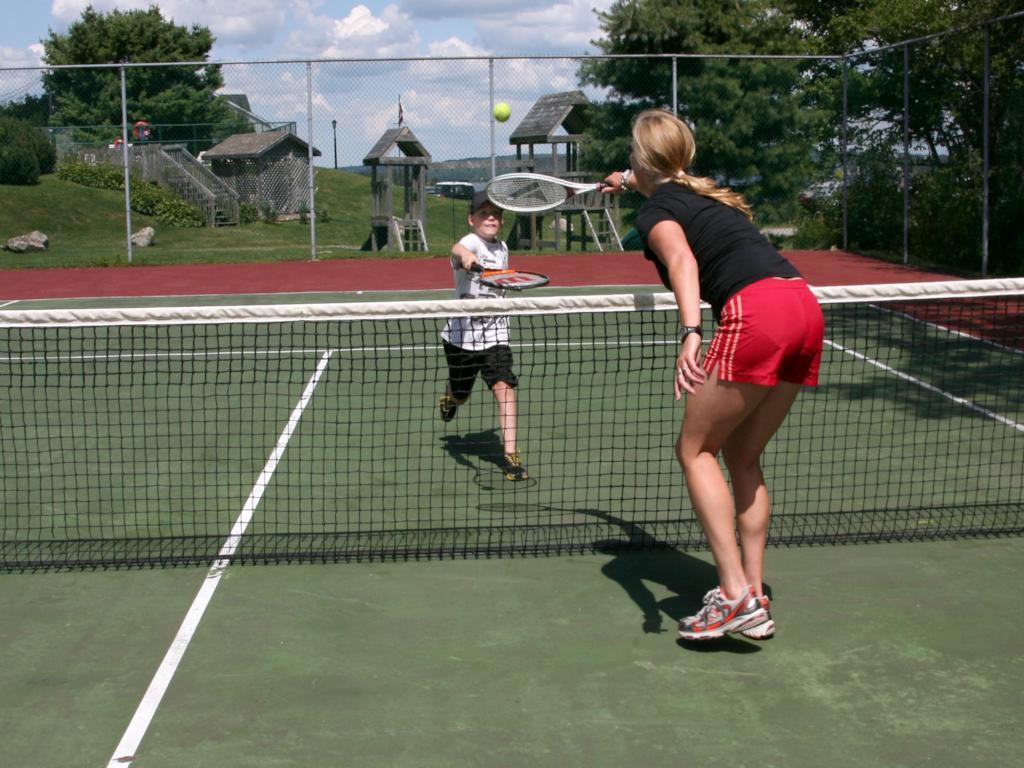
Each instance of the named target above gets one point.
<point>159,95</point>
<point>946,125</point>
<point>752,130</point>
<point>34,110</point>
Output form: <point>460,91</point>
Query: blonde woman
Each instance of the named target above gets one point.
<point>767,345</point>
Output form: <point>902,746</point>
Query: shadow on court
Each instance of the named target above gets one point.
<point>641,559</point>
<point>482,453</point>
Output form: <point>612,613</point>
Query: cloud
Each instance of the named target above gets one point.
<point>468,9</point>
<point>29,56</point>
<point>360,34</point>
<point>238,27</point>
<point>552,28</point>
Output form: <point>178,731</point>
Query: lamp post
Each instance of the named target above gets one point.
<point>334,129</point>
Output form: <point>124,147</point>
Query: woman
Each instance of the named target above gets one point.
<point>767,345</point>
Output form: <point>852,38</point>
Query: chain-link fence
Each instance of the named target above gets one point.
<point>911,152</point>
<point>933,137</point>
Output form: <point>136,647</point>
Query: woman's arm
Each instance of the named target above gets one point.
<point>669,243</point>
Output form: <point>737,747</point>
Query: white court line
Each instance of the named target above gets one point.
<point>9,303</point>
<point>929,387</point>
<point>298,351</point>
<point>124,753</point>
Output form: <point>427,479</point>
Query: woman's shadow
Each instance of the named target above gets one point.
<point>641,558</point>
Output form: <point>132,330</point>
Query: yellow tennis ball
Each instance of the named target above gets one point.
<point>502,111</point>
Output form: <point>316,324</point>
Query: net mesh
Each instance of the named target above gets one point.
<point>312,432</point>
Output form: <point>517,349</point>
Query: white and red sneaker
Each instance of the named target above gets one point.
<point>720,615</point>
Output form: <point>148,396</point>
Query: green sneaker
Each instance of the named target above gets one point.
<point>513,467</point>
<point>447,407</point>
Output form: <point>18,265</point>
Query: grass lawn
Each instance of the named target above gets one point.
<point>86,227</point>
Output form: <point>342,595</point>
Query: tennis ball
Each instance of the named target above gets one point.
<point>502,111</point>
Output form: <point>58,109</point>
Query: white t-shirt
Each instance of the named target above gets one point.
<point>481,332</point>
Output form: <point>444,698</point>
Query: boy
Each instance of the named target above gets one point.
<point>475,345</point>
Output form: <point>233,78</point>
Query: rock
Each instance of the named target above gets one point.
<point>33,241</point>
<point>144,237</point>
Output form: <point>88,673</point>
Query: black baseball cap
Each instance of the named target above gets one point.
<point>479,200</point>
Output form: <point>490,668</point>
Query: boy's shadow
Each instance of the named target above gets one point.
<point>477,450</point>
<point>686,577</point>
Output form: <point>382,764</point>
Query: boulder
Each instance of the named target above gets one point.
<point>33,241</point>
<point>144,237</point>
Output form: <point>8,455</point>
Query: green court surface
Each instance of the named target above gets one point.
<point>887,656</point>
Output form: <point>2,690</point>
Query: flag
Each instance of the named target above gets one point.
<point>401,115</point>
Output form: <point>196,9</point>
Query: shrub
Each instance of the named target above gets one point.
<point>98,176</point>
<point>174,211</point>
<point>248,213</point>
<point>147,198</point>
<point>18,166</point>
<point>26,152</point>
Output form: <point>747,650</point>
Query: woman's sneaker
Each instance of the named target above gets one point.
<point>765,630</point>
<point>720,615</point>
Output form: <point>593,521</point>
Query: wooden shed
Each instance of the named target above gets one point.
<point>398,156</point>
<point>269,169</point>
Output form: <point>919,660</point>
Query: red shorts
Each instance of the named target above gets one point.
<point>770,331</point>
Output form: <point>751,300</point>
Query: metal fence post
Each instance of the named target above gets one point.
<point>124,160</point>
<point>843,150</point>
<point>309,155</point>
<point>675,86</point>
<point>490,70</point>
<point>986,85</point>
<point>906,154</point>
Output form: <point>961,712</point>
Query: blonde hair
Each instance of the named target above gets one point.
<point>663,145</point>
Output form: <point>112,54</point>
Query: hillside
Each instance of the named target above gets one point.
<point>86,227</point>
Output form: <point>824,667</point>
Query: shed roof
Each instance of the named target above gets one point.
<point>413,152</point>
<point>246,146</point>
<point>239,100</point>
<point>549,113</point>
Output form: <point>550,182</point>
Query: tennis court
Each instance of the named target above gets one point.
<point>251,434</point>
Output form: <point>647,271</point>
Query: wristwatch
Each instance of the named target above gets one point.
<point>624,180</point>
<point>688,329</point>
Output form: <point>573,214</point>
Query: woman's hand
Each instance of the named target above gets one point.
<point>612,183</point>
<point>688,372</point>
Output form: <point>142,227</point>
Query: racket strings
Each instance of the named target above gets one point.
<point>526,192</point>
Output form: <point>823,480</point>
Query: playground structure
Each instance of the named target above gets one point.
<point>398,153</point>
<point>558,119</point>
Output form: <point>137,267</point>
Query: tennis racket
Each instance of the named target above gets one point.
<point>509,279</point>
<point>531,192</point>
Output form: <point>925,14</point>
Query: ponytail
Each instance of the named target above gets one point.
<point>663,144</point>
<point>706,187</point>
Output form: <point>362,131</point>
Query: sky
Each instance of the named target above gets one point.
<point>288,29</point>
<point>445,102</point>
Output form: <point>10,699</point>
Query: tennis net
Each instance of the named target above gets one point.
<point>311,432</point>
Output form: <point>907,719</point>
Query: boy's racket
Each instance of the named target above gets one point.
<point>509,279</point>
<point>531,192</point>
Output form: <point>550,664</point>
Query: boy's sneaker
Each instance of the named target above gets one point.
<point>761,631</point>
<point>513,467</point>
<point>720,615</point>
<point>447,407</point>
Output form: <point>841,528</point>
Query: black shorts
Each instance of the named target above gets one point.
<point>493,363</point>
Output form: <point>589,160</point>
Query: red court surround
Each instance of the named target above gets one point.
<point>577,269</point>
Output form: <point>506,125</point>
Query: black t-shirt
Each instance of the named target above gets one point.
<point>731,253</point>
